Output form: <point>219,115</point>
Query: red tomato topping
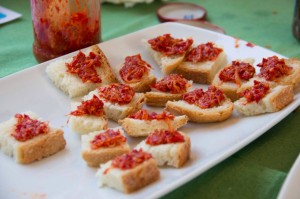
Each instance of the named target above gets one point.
<point>130,160</point>
<point>109,138</point>
<point>208,99</point>
<point>273,67</point>
<point>27,128</point>
<point>134,68</point>
<point>93,106</point>
<point>172,83</point>
<point>237,71</point>
<point>85,67</point>
<point>169,45</point>
<point>257,92</point>
<point>203,52</point>
<point>117,93</point>
<point>164,137</point>
<point>144,115</point>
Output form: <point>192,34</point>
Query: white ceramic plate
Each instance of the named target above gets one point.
<point>290,188</point>
<point>65,174</point>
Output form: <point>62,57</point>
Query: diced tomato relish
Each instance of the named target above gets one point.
<point>236,72</point>
<point>273,68</point>
<point>109,138</point>
<point>85,67</point>
<point>27,128</point>
<point>144,115</point>
<point>159,137</point>
<point>168,45</point>
<point>257,92</point>
<point>117,93</point>
<point>93,106</point>
<point>172,83</point>
<point>134,69</point>
<point>203,52</point>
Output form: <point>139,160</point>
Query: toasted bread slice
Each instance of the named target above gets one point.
<point>156,98</point>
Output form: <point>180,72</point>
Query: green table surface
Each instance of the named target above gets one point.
<point>256,171</point>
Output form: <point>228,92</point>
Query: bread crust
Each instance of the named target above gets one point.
<point>199,115</point>
<point>160,99</point>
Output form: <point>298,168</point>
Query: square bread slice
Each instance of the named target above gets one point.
<point>171,154</point>
<point>97,156</point>
<point>71,84</point>
<point>33,149</point>
<point>128,180</point>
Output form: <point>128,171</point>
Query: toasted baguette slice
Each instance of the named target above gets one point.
<point>95,157</point>
<point>197,114</point>
<point>278,98</point>
<point>33,149</point>
<point>230,89</point>
<point>71,84</point>
<point>137,128</point>
<point>202,72</point>
<point>115,111</point>
<point>173,154</point>
<point>157,98</point>
<point>128,180</point>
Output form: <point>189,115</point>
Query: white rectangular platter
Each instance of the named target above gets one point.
<point>65,174</point>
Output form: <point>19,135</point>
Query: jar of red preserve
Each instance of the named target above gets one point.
<point>63,26</point>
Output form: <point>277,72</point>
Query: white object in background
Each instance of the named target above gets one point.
<point>7,15</point>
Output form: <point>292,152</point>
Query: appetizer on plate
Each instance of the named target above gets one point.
<point>27,138</point>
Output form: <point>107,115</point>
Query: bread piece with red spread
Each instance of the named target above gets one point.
<point>129,172</point>
<point>81,74</point>
<point>27,138</point>
<point>169,88</point>
<point>168,147</point>
<point>87,116</point>
<point>143,123</point>
<point>262,98</point>
<point>98,147</point>
<point>168,52</point>
<point>135,72</point>
<point>202,63</point>
<point>203,106</point>
<point>230,78</point>
<point>119,100</point>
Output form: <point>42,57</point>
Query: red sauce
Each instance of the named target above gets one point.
<point>203,52</point>
<point>93,106</point>
<point>109,138</point>
<point>85,67</point>
<point>27,128</point>
<point>257,92</point>
<point>144,115</point>
<point>273,67</point>
<point>134,69</point>
<point>168,45</point>
<point>237,71</point>
<point>251,45</point>
<point>172,83</point>
<point>130,160</point>
<point>60,28</point>
<point>211,98</point>
<point>117,93</point>
<point>164,137</point>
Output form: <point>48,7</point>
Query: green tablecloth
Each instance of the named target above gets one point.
<point>258,170</point>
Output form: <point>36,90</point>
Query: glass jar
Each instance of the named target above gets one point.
<point>63,26</point>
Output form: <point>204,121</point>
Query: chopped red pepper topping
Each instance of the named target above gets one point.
<point>109,138</point>
<point>85,67</point>
<point>27,128</point>
<point>172,83</point>
<point>203,52</point>
<point>134,69</point>
<point>93,106</point>
<point>237,71</point>
<point>208,99</point>
<point>168,45</point>
<point>117,93</point>
<point>257,92</point>
<point>273,67</point>
<point>144,115</point>
<point>130,160</point>
<point>164,137</point>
